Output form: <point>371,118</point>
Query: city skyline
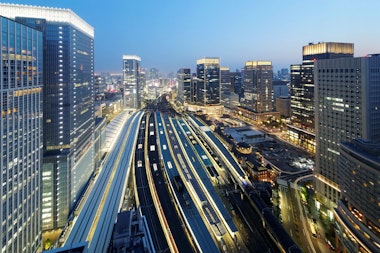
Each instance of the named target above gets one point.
<point>171,35</point>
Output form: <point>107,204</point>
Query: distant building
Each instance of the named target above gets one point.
<point>301,130</point>
<point>347,97</point>
<point>280,89</point>
<point>258,89</point>
<point>256,117</point>
<point>152,74</point>
<point>225,86</point>
<point>131,81</point>
<point>208,81</point>
<point>142,93</point>
<point>21,129</point>
<point>283,74</point>
<point>184,84</point>
<point>236,83</point>
<point>357,214</point>
<point>283,106</point>
<point>234,100</point>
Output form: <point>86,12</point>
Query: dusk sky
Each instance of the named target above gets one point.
<point>170,34</point>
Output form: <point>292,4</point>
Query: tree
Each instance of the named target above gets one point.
<point>47,244</point>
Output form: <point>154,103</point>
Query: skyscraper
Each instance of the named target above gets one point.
<point>225,86</point>
<point>358,212</point>
<point>21,130</point>
<point>347,98</point>
<point>302,129</point>
<point>257,83</point>
<point>131,81</point>
<point>208,81</point>
<point>68,117</point>
<point>184,84</point>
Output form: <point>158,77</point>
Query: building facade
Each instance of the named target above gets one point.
<point>258,89</point>
<point>131,81</point>
<point>208,81</point>
<point>68,108</point>
<point>302,127</point>
<point>236,83</point>
<point>21,129</point>
<point>283,106</point>
<point>225,87</point>
<point>358,212</point>
<point>184,84</point>
<point>347,97</point>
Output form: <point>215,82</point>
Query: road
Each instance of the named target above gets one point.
<point>144,197</point>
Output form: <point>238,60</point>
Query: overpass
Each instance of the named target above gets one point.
<point>95,222</point>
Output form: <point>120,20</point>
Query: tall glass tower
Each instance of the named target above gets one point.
<point>347,99</point>
<point>302,130</point>
<point>258,86</point>
<point>208,81</point>
<point>68,116</point>
<point>21,131</point>
<point>131,81</point>
<point>184,84</point>
<point>225,86</point>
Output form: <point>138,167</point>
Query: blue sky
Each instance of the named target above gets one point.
<point>170,34</point>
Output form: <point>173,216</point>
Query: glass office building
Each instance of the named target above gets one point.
<point>358,213</point>
<point>68,117</point>
<point>225,87</point>
<point>258,86</point>
<point>208,81</point>
<point>302,128</point>
<point>347,98</point>
<point>131,81</point>
<point>184,84</point>
<point>21,131</point>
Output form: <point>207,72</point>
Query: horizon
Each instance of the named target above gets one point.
<point>173,35</point>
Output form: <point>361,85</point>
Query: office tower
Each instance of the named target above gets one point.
<point>302,127</point>
<point>280,89</point>
<point>358,212</point>
<point>21,130</point>
<point>142,92</point>
<point>347,96</point>
<point>257,83</point>
<point>236,83</point>
<point>225,86</point>
<point>208,81</point>
<point>131,81</point>
<point>184,84</point>
<point>153,74</point>
<point>68,110</point>
<point>283,106</point>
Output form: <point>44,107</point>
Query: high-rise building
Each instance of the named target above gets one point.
<point>184,84</point>
<point>358,212</point>
<point>131,81</point>
<point>236,83</point>
<point>21,130</point>
<point>347,99</point>
<point>68,106</point>
<point>142,91</point>
<point>302,130</point>
<point>257,83</point>
<point>225,86</point>
<point>208,81</point>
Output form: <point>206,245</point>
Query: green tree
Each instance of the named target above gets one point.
<point>47,244</point>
